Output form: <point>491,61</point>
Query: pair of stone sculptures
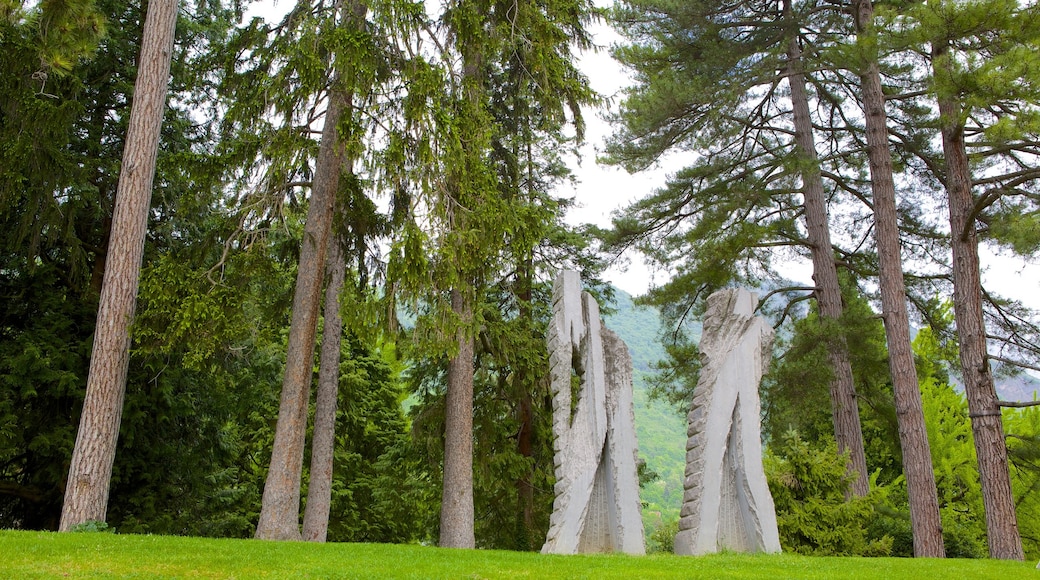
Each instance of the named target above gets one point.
<point>726,504</point>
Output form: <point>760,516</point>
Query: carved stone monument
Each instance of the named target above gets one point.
<point>727,504</point>
<point>597,505</point>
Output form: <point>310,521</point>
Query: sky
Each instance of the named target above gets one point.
<point>600,190</point>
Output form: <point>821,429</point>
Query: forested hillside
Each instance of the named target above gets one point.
<point>660,426</point>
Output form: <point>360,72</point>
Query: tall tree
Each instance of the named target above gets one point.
<point>917,462</point>
<point>844,408</point>
<point>984,408</point>
<point>972,66</point>
<point>86,496</point>
<point>319,492</point>
<point>458,137</point>
<point>280,512</point>
<point>323,439</point>
<point>737,203</point>
<point>468,187</point>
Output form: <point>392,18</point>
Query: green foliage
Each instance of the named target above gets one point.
<point>662,539</point>
<point>92,526</point>
<point>1017,225</point>
<point>378,493</point>
<point>795,390</point>
<point>1022,429</point>
<point>814,517</point>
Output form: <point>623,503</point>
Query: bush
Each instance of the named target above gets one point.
<point>808,486</point>
<point>662,539</point>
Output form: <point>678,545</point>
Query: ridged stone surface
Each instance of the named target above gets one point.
<point>726,502</point>
<point>597,506</point>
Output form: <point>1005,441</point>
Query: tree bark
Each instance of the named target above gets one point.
<point>457,494</point>
<point>844,409</point>
<point>525,417</point>
<point>90,471</point>
<point>983,405</point>
<point>323,440</point>
<point>913,437</point>
<point>525,485</point>
<point>457,513</point>
<point>280,510</point>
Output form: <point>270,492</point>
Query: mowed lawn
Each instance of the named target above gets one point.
<point>103,555</point>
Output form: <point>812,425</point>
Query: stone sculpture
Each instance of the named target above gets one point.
<point>726,503</point>
<point>597,506</point>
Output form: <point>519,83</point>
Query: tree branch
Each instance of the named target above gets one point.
<point>1018,404</point>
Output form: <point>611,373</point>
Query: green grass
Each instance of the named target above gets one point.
<point>102,555</point>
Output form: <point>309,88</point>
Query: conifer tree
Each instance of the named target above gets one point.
<point>986,94</point>
<point>465,211</point>
<point>917,462</point>
<point>90,472</point>
<point>725,216</point>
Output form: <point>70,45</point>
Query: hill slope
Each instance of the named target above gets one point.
<point>660,428</point>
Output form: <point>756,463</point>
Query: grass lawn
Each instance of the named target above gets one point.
<point>103,555</point>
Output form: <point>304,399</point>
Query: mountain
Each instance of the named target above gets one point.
<point>660,428</point>
<point>1023,387</point>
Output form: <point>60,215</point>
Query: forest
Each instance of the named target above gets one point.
<point>290,279</point>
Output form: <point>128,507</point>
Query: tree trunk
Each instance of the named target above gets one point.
<point>844,409</point>
<point>280,510</point>
<point>913,437</point>
<point>457,517</point>
<point>525,416</point>
<point>457,495</point>
<point>983,406</point>
<point>323,441</point>
<point>90,471</point>
<point>525,485</point>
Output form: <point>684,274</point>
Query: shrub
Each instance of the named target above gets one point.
<point>809,486</point>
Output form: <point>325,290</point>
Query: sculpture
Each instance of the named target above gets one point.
<point>597,505</point>
<point>726,503</point>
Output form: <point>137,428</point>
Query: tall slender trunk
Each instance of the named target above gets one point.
<point>525,416</point>
<point>323,440</point>
<point>457,495</point>
<point>983,407</point>
<point>280,510</point>
<point>457,512</point>
<point>913,437</point>
<point>90,471</point>
<point>845,411</point>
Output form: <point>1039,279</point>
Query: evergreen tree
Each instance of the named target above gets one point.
<point>279,517</point>
<point>975,53</point>
<point>465,216</point>
<point>86,496</point>
<point>723,218</point>
<point>924,507</point>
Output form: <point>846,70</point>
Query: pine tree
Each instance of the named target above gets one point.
<point>976,56</point>
<point>86,496</point>
<point>727,215</point>
<point>917,463</point>
<point>844,408</point>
